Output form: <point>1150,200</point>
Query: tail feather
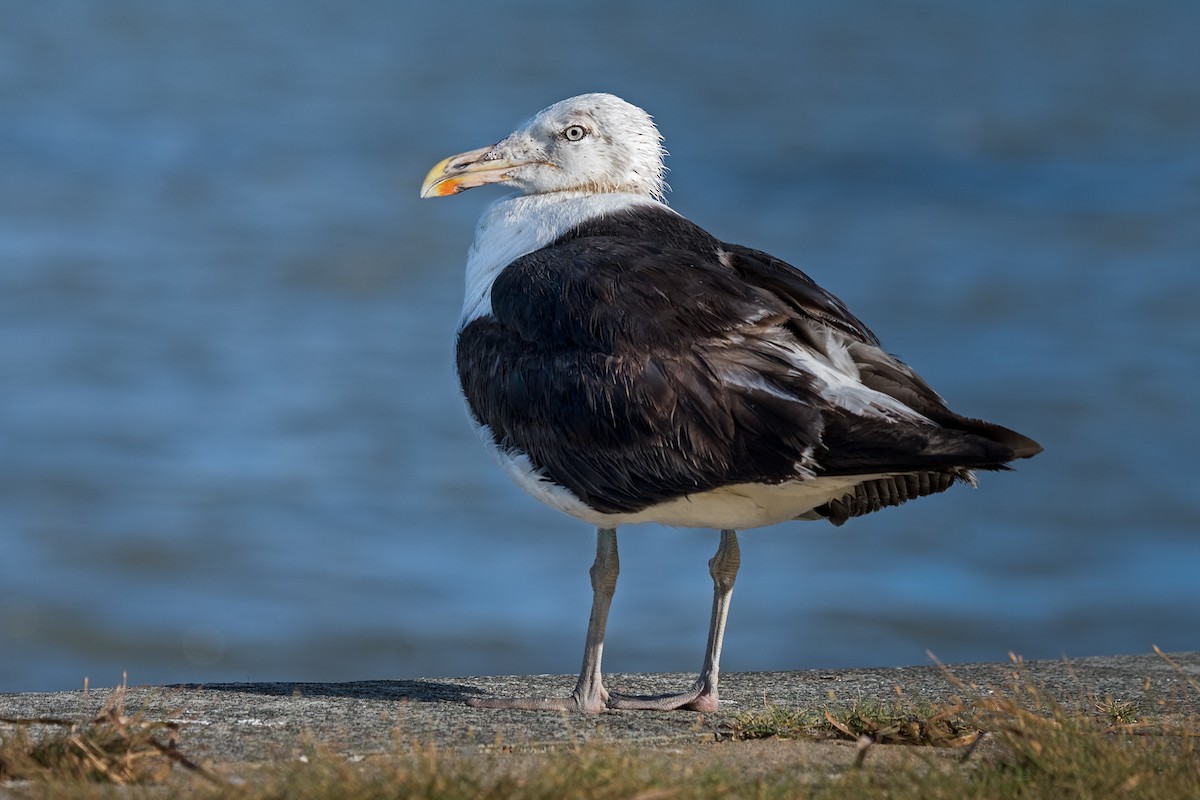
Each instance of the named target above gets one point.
<point>924,459</point>
<point>873,495</point>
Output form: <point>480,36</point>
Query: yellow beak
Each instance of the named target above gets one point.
<point>466,171</point>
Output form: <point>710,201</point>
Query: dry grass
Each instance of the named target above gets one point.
<point>1095,747</point>
<point>897,723</point>
<point>1035,747</point>
<point>109,747</point>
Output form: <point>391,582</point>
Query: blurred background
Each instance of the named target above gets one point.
<point>231,446</point>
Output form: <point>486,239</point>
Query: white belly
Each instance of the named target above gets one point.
<point>745,505</point>
<point>737,507</point>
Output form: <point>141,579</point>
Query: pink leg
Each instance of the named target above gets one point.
<point>590,694</point>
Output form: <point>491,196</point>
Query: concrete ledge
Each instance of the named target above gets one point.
<point>254,722</point>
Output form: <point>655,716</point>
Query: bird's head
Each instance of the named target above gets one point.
<point>592,143</point>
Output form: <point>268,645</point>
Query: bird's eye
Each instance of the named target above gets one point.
<point>573,133</point>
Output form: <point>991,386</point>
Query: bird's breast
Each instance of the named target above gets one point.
<point>518,225</point>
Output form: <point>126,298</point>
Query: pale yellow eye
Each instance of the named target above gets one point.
<point>573,133</point>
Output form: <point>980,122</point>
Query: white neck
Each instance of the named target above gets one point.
<point>519,224</point>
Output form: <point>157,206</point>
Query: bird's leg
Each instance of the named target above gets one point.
<point>703,695</point>
<point>724,569</point>
<point>590,694</point>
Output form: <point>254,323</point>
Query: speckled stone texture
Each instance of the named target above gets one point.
<point>254,722</point>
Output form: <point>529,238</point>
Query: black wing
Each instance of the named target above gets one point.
<point>638,360</point>
<point>633,373</point>
<point>877,369</point>
<point>933,457</point>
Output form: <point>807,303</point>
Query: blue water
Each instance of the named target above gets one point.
<point>231,446</point>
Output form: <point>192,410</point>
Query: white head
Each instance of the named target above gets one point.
<point>593,143</point>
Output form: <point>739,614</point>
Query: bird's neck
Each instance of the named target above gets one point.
<point>519,224</point>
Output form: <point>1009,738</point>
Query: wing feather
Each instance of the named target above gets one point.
<point>638,360</point>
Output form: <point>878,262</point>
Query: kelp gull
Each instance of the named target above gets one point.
<point>623,366</point>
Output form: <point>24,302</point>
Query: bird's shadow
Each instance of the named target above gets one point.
<point>416,691</point>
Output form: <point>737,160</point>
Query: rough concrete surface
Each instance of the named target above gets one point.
<point>256,722</point>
